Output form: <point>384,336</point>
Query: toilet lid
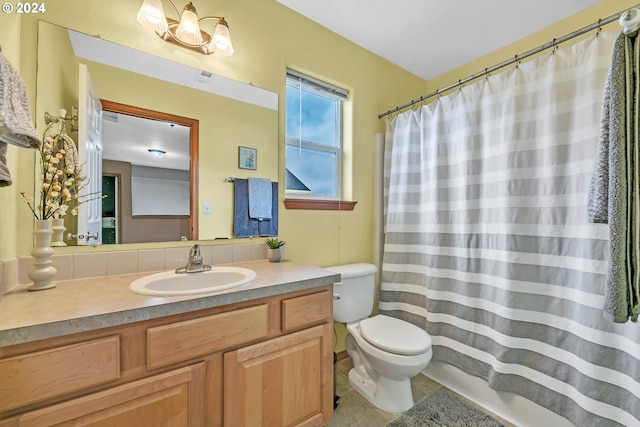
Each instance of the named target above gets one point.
<point>395,335</point>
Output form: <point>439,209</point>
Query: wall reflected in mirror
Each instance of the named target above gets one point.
<point>225,123</point>
<point>146,166</point>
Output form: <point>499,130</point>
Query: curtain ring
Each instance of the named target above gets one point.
<point>555,47</point>
<point>599,27</point>
<point>516,61</point>
<point>486,74</point>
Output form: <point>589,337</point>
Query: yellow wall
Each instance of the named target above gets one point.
<point>57,80</point>
<point>268,38</point>
<point>10,26</point>
<point>263,51</point>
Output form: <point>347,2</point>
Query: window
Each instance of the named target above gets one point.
<point>313,154</point>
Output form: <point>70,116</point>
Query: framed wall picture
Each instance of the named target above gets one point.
<point>247,158</point>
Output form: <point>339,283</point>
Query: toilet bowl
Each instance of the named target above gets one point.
<point>386,352</point>
<point>382,376</point>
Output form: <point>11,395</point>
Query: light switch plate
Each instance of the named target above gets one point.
<point>206,208</point>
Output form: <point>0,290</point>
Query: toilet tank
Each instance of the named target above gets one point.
<point>353,295</point>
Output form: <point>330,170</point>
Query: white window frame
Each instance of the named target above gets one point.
<point>329,91</point>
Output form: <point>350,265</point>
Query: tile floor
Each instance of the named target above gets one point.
<point>356,411</point>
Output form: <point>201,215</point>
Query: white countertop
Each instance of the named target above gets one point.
<point>88,304</point>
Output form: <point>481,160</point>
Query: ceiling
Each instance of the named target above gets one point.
<point>431,37</point>
<point>122,136</point>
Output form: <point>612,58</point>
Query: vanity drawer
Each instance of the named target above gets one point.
<point>306,310</point>
<point>38,376</point>
<point>181,341</point>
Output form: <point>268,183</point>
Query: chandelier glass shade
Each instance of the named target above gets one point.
<point>186,31</point>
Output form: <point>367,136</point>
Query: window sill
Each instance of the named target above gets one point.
<point>319,205</point>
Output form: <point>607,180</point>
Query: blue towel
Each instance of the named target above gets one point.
<point>243,226</point>
<point>259,198</point>
<point>269,228</point>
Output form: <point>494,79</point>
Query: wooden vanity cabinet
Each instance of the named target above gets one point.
<point>286,380</point>
<point>280,382</point>
<point>174,398</point>
<point>264,362</point>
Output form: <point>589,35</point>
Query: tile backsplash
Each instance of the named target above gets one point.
<point>95,264</point>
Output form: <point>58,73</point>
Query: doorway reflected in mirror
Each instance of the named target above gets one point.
<point>152,198</point>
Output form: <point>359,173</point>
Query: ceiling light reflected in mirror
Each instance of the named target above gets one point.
<point>157,153</point>
<point>145,142</point>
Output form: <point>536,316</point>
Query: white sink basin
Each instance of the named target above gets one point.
<point>168,283</point>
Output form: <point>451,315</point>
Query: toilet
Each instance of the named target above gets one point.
<point>386,352</point>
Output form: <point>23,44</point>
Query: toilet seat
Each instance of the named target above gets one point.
<point>394,335</point>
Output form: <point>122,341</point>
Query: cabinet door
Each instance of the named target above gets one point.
<point>171,399</point>
<point>286,381</point>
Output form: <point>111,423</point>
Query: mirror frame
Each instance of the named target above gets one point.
<point>193,124</point>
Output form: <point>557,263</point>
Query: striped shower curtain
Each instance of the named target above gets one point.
<point>487,244</point>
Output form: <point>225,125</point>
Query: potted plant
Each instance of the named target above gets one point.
<point>275,252</point>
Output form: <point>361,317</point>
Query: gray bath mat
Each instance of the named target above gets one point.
<point>443,409</point>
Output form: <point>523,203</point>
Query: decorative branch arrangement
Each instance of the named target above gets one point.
<point>62,178</point>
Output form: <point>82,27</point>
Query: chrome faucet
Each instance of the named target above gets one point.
<point>194,263</point>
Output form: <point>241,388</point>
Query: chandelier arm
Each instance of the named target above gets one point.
<point>178,14</point>
<point>189,45</point>
<point>210,17</point>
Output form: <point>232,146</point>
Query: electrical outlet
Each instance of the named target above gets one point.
<point>206,208</point>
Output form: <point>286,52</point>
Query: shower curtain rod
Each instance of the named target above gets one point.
<point>517,58</point>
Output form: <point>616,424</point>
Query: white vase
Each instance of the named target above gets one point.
<point>275,255</point>
<point>42,269</point>
<point>58,228</point>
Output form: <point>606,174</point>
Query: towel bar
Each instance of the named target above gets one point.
<point>63,117</point>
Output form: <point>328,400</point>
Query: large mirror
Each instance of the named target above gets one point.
<point>227,113</point>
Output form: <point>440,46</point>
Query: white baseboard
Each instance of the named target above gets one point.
<point>512,408</point>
